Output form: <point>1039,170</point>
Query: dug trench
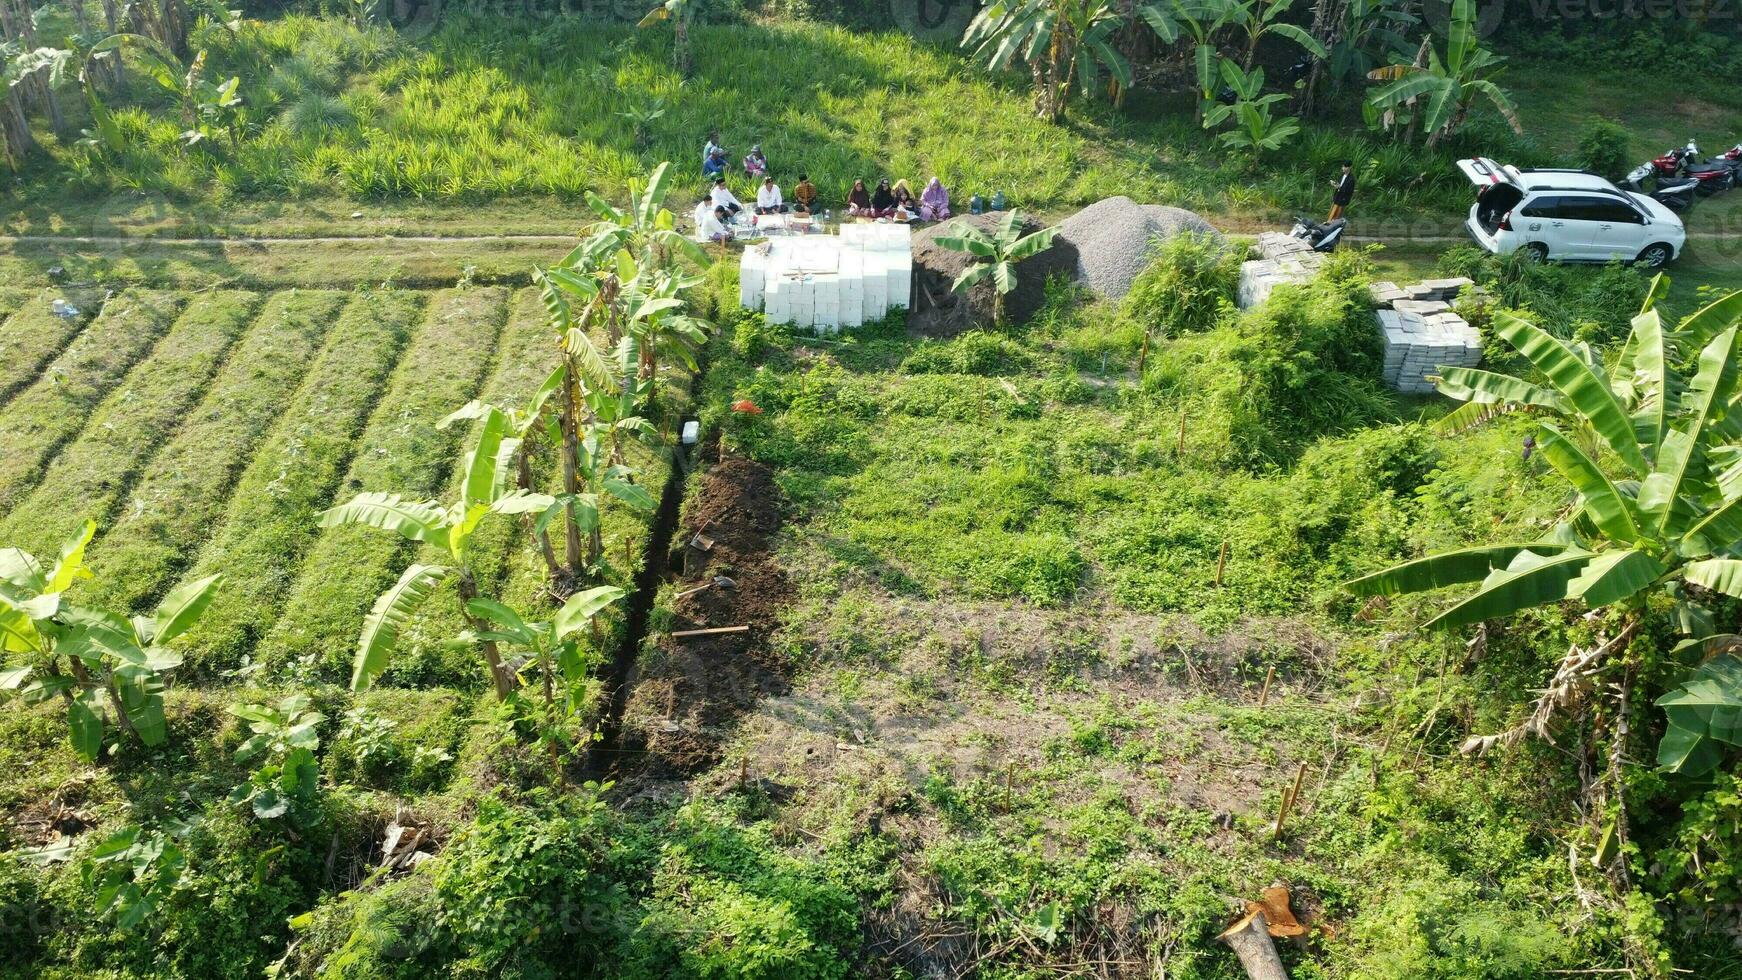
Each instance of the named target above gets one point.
<point>675,697</point>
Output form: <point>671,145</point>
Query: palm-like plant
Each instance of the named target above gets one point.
<point>1062,42</point>
<point>96,661</point>
<point>487,490</point>
<point>1653,456</point>
<point>1443,89</point>
<point>1199,20</point>
<point>553,652</point>
<point>1255,128</point>
<point>1259,19</point>
<point>681,13</point>
<point>1002,250</point>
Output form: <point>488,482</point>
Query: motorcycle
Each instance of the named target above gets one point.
<point>1322,237</point>
<point>1712,175</point>
<point>1675,193</point>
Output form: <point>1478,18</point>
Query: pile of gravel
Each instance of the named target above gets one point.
<point>1113,237</point>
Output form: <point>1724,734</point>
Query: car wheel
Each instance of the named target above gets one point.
<point>1655,256</point>
<point>1537,251</point>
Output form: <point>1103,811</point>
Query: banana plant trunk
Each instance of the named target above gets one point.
<point>571,467</point>
<point>523,478</point>
<point>680,43</point>
<point>492,655</point>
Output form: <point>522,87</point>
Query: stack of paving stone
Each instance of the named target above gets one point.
<point>1286,260</point>
<point>1421,334</point>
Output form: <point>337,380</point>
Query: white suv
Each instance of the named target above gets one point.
<point>1569,215</point>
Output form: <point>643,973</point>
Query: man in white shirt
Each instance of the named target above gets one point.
<point>768,199</point>
<point>714,229</point>
<point>724,198</point>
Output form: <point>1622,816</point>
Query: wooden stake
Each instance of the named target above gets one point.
<point>1143,355</point>
<point>743,770</point>
<point>1288,798</point>
<point>1180,449</point>
<point>1222,563</point>
<point>1009,769</point>
<point>715,631</point>
<point>1264,695</point>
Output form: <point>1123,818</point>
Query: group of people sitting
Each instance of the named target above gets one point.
<point>715,211</point>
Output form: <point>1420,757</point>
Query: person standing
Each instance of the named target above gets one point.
<point>1345,191</point>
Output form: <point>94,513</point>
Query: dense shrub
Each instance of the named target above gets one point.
<point>1565,300</point>
<point>1188,286</point>
<point>1302,365</point>
<point>1604,149</point>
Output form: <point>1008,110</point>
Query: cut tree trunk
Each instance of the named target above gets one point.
<point>1249,938</point>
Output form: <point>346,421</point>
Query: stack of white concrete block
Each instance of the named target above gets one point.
<point>1286,260</point>
<point>1421,334</point>
<point>827,282</point>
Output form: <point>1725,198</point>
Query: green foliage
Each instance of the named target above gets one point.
<point>1666,520</point>
<point>283,744</point>
<point>1304,364</point>
<point>1188,287</point>
<point>976,352</point>
<point>133,871</point>
<point>96,662</point>
<point>1439,95</point>
<point>1604,148</point>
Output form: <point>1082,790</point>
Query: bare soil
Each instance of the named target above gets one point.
<point>689,692</point>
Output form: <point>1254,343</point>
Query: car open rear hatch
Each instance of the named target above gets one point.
<point>1498,190</point>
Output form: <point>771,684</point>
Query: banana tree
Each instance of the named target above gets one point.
<point>1062,42</point>
<point>1446,87</point>
<point>1255,128</point>
<point>681,13</point>
<point>202,102</point>
<point>554,652</point>
<point>1002,250</point>
<point>94,660</point>
<point>646,229</point>
<point>1652,455</point>
<point>1259,19</point>
<point>1199,20</point>
<point>487,491</point>
<point>530,425</point>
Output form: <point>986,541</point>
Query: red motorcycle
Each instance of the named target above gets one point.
<point>1712,175</point>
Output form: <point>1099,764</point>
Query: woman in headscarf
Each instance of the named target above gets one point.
<point>859,201</point>
<point>906,206</point>
<point>883,200</point>
<point>756,165</point>
<point>934,202</point>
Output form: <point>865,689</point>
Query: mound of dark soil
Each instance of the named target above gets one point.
<point>689,691</point>
<point>939,312</point>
